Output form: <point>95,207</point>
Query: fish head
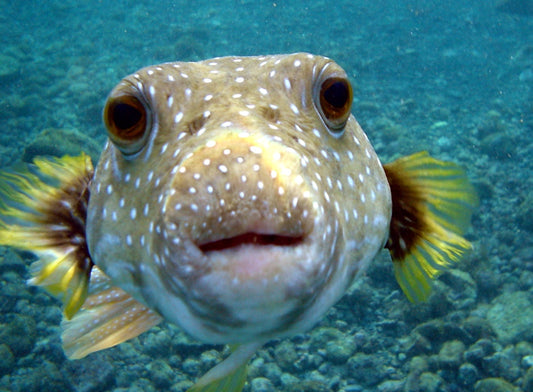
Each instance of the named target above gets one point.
<point>238,196</point>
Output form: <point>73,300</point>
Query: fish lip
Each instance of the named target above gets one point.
<point>251,239</point>
<point>253,228</point>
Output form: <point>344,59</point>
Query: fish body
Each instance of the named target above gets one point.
<point>238,198</point>
<point>237,149</point>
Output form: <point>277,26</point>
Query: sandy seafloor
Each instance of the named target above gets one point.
<point>454,78</point>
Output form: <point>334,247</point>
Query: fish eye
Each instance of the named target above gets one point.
<point>335,102</point>
<point>127,121</point>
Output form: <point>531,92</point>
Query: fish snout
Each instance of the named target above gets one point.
<point>240,189</point>
<point>246,235</point>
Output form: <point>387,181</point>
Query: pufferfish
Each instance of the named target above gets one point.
<point>236,197</point>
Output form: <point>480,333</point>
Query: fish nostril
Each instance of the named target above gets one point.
<point>196,124</point>
<point>269,113</point>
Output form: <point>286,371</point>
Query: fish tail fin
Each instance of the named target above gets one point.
<point>108,317</point>
<point>43,210</point>
<point>230,374</point>
<point>432,203</point>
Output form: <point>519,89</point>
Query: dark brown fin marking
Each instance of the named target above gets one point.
<point>432,202</point>
<point>43,210</point>
<point>407,222</point>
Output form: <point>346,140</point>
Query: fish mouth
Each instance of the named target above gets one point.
<point>251,238</point>
<point>253,230</point>
<point>255,256</point>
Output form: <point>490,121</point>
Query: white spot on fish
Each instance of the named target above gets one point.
<point>294,108</point>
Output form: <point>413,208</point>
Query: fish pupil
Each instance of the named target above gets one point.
<point>125,116</point>
<point>335,100</point>
<point>337,94</point>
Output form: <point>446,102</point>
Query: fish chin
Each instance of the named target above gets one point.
<point>252,286</point>
<point>262,250</point>
<point>254,274</point>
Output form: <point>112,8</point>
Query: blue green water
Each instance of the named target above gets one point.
<point>454,78</point>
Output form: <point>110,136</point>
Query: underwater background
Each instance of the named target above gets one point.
<point>454,78</point>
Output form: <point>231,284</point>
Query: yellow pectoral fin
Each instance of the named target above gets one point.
<point>230,374</point>
<point>432,202</point>
<point>42,210</point>
<point>108,317</point>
